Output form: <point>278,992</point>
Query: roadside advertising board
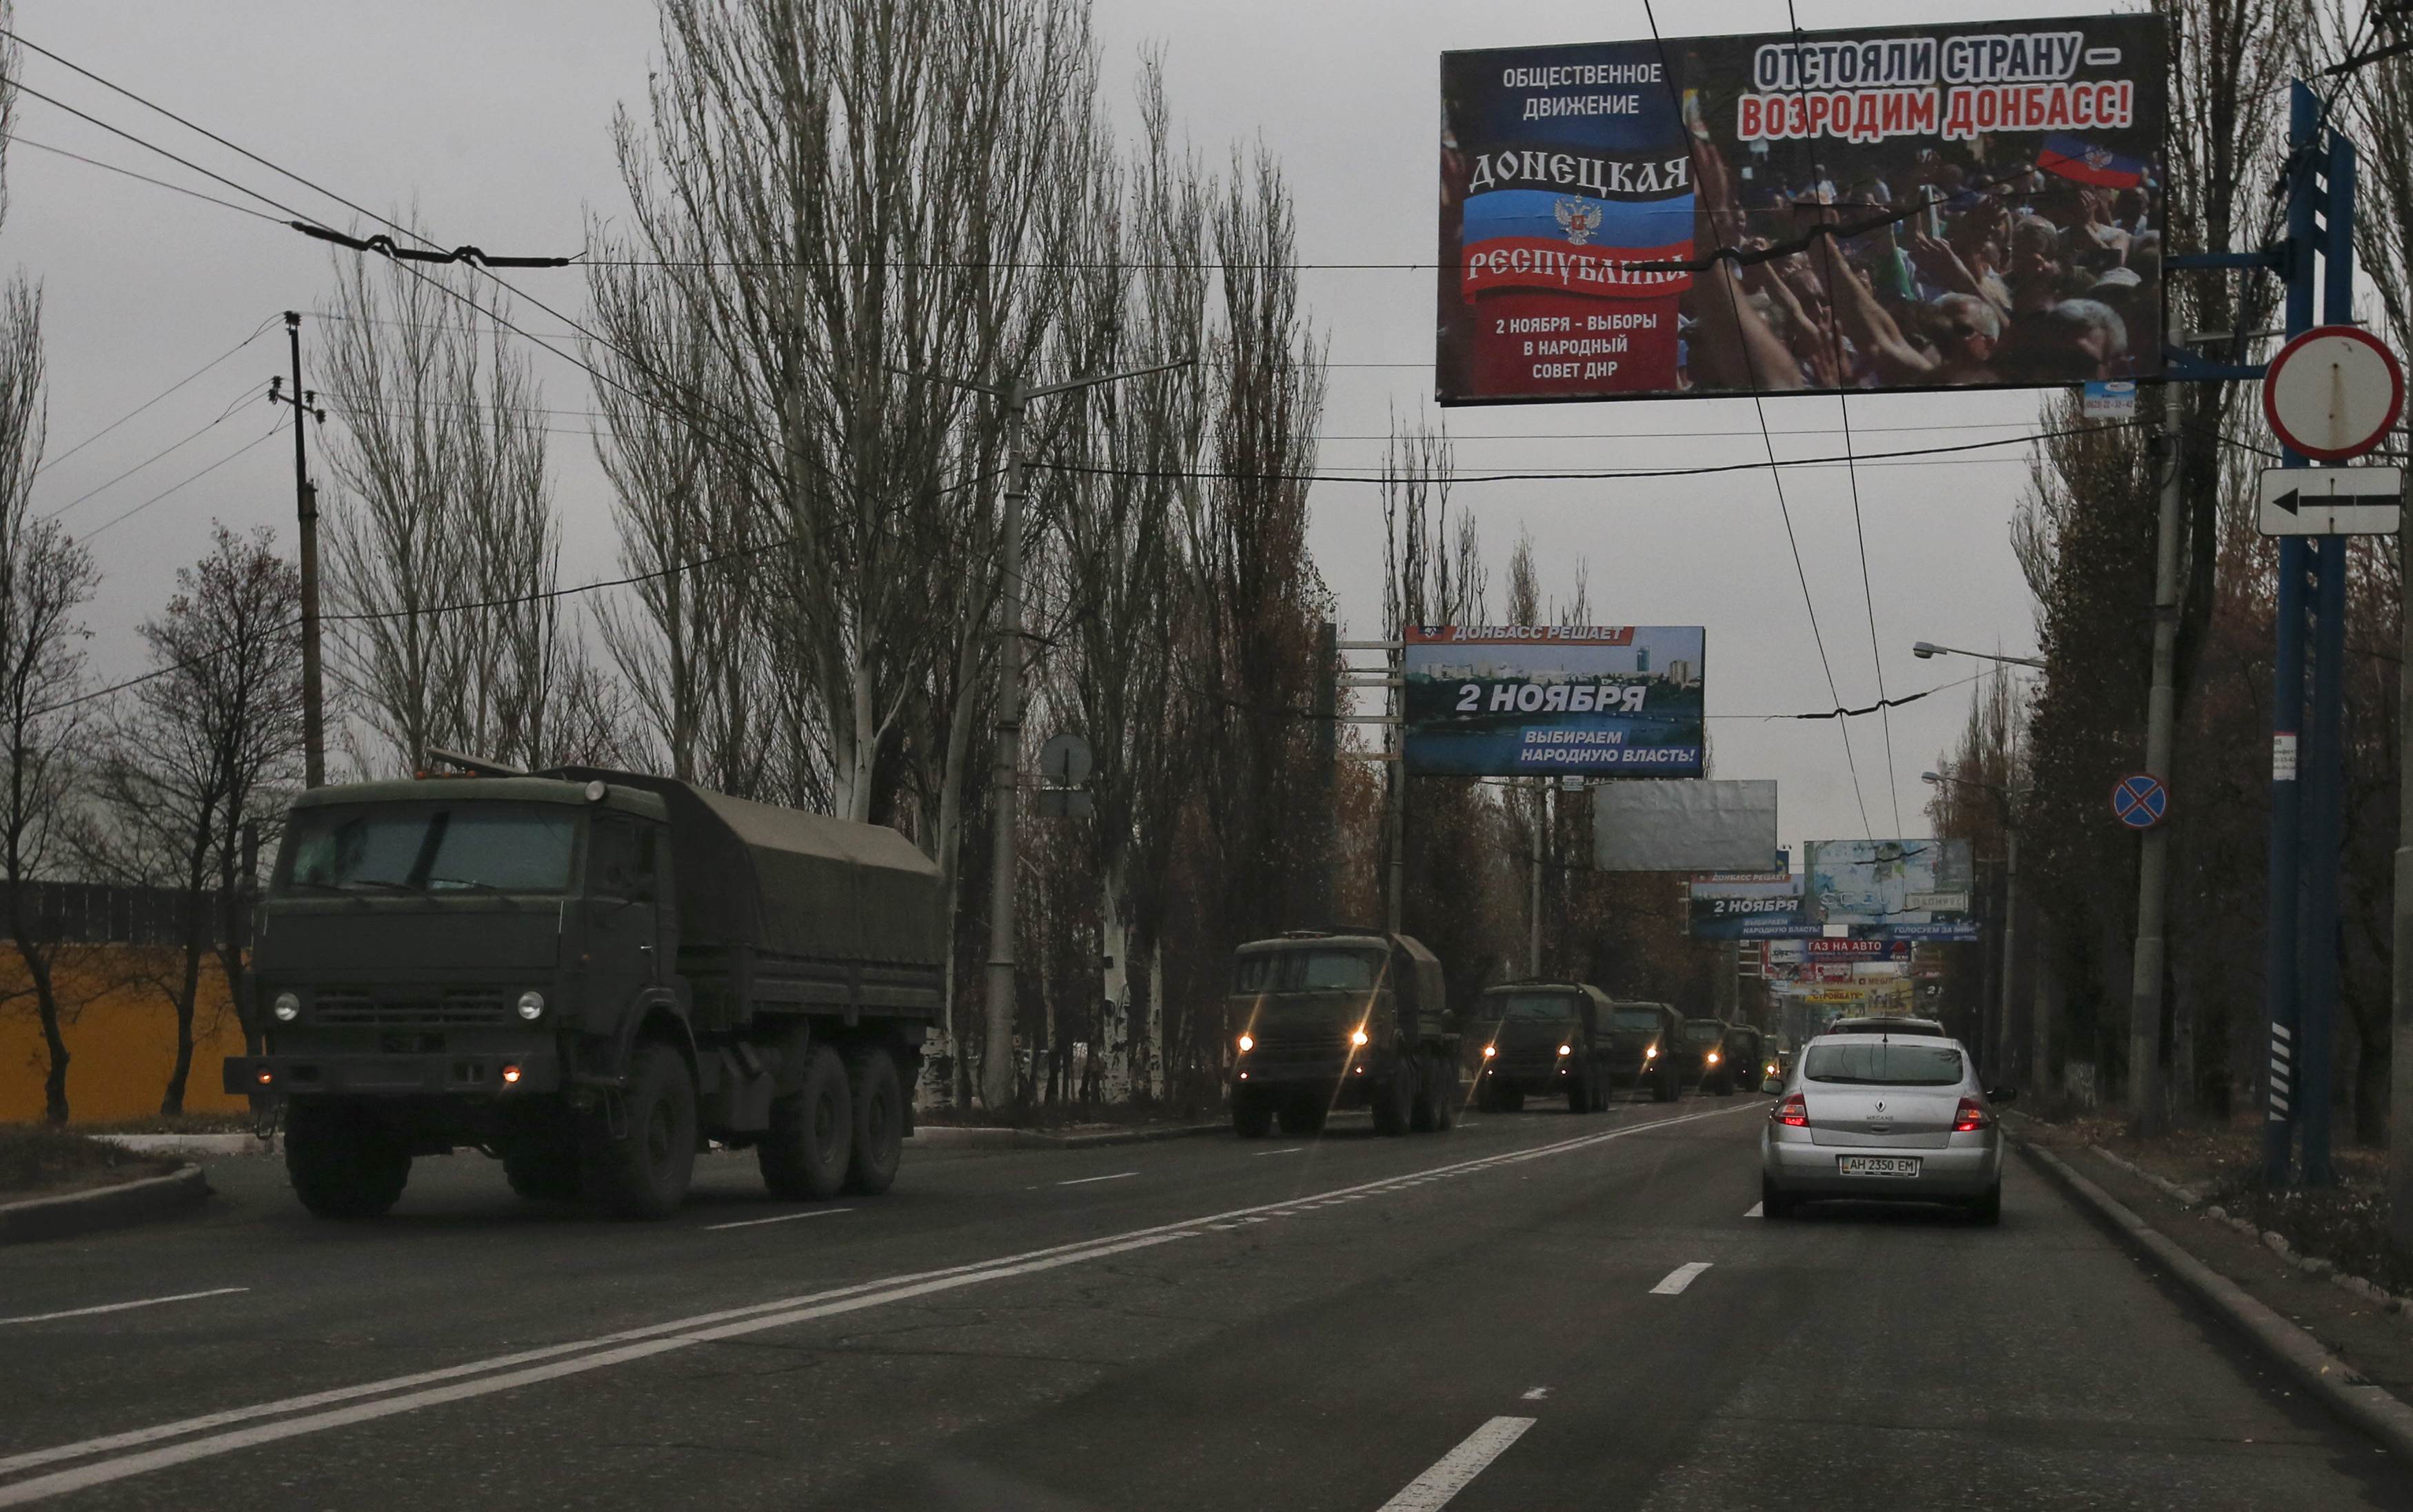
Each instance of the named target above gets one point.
<point>1507,701</point>
<point>1682,825</point>
<point>1749,905</point>
<point>1994,187</point>
<point>1893,890</point>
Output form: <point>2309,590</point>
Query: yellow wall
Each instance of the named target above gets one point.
<point>121,1035</point>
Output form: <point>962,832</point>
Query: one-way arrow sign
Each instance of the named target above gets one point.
<point>2330,501</point>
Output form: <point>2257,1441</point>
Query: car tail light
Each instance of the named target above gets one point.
<point>1794,1111</point>
<point>1970,1117</point>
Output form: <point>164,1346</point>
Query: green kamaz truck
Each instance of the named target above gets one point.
<point>588,974</point>
<point>1318,1020</point>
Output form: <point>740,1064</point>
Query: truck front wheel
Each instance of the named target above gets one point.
<point>342,1162</point>
<point>643,1169</point>
<point>879,1122</point>
<point>805,1152</point>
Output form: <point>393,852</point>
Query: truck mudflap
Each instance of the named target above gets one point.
<point>480,1072</point>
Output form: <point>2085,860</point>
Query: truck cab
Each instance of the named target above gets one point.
<point>587,974</point>
<point>1643,1048</point>
<point>1323,1019</point>
<point>1701,1056</point>
<point>1542,1039</point>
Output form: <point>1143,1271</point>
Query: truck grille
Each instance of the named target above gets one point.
<point>1320,1044</point>
<point>447,1009</point>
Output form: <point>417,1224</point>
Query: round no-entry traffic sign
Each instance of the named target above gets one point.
<point>2140,801</point>
<point>2333,392</point>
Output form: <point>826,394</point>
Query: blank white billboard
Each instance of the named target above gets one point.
<point>1684,825</point>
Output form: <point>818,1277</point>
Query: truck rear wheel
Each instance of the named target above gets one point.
<point>1252,1113</point>
<point>343,1163</point>
<point>806,1151</point>
<point>644,1170</point>
<point>878,1108</point>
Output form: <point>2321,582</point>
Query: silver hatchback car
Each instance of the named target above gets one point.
<point>1882,1118</point>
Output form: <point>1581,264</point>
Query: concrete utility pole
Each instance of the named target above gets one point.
<point>2146,1109</point>
<point>997,1056</point>
<point>305,512</point>
<point>1327,733</point>
<point>2002,1047</point>
<point>1534,903</point>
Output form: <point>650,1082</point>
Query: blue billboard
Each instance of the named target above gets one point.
<point>1509,700</point>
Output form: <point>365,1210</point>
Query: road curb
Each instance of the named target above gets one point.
<point>982,1137</point>
<point>194,1143</point>
<point>2368,1407</point>
<point>151,1198</point>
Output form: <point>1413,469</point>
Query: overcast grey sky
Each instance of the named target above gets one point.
<point>492,116</point>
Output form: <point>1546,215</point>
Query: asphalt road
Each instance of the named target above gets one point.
<point>1536,1311</point>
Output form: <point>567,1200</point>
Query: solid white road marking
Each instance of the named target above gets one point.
<point>1754,1210</point>
<point>1292,1150</point>
<point>120,1307</point>
<point>783,1217</point>
<point>1537,1394</point>
<point>673,1334</point>
<point>1085,1180</point>
<point>1431,1490</point>
<point>1680,1277</point>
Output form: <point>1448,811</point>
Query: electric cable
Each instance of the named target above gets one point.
<point>163,393</point>
<point>172,446</point>
<point>194,478</point>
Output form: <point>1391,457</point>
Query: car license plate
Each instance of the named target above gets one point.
<point>1876,1165</point>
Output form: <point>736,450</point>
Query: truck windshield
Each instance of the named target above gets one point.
<point>1308,971</point>
<point>500,848</point>
<point>1529,1005</point>
<point>1703,1031</point>
<point>1637,1018</point>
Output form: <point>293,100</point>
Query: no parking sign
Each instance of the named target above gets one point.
<point>2139,801</point>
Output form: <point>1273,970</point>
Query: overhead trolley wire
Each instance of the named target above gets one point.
<point>163,393</point>
<point>1776,474</point>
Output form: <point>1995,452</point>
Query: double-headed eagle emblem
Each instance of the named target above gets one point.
<point>1579,218</point>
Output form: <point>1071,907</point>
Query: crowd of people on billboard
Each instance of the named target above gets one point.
<point>1947,267</point>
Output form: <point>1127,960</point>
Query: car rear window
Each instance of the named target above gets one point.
<point>1883,1065</point>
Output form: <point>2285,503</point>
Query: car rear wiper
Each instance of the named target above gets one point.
<point>384,883</point>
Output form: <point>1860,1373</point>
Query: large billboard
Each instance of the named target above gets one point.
<point>1971,205</point>
<point>1893,889</point>
<point>1764,905</point>
<point>1683,824</point>
<point>1504,701</point>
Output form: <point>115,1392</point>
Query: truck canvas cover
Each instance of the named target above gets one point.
<point>753,876</point>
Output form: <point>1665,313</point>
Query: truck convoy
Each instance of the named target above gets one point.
<point>1542,1039</point>
<point>588,974</point>
<point>1323,1019</point>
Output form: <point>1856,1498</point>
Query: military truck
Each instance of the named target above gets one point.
<point>1321,1019</point>
<point>1744,1054</point>
<point>1701,1056</point>
<point>1542,1039</point>
<point>587,974</point>
<point>1644,1037</point>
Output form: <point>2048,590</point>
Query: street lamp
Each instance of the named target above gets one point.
<point>1924,650</point>
<point>2006,801</point>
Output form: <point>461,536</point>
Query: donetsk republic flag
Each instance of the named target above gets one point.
<point>1559,306</point>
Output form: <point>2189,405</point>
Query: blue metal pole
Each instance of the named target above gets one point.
<point>2287,698</point>
<point>2325,766</point>
<point>2324,772</point>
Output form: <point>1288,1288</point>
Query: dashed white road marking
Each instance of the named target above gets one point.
<point>783,1217</point>
<point>1755,1210</point>
<point>1085,1180</point>
<point>1680,1277</point>
<point>210,1434</point>
<point>1292,1150</point>
<point>120,1307</point>
<point>1537,1394</point>
<point>1431,1490</point>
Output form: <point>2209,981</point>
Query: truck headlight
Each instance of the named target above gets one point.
<point>1651,1054</point>
<point>1490,1050</point>
<point>531,1005</point>
<point>288,1008</point>
<point>1358,1037</point>
<point>1566,1049</point>
<point>1246,1043</point>
<point>1713,1057</point>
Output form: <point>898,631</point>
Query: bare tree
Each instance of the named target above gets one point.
<point>200,753</point>
<point>444,541</point>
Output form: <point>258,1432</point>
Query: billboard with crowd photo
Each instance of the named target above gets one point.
<point>1971,205</point>
<point>1916,889</point>
<point>1505,701</point>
